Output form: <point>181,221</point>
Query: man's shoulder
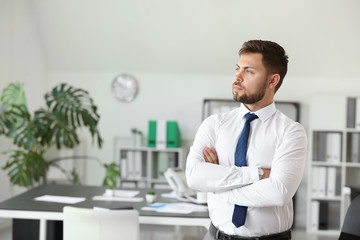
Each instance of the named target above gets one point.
<point>287,122</point>
<point>224,116</point>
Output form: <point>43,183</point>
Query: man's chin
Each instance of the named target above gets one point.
<point>236,97</point>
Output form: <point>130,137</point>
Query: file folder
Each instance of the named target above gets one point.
<point>173,139</point>
<point>152,134</point>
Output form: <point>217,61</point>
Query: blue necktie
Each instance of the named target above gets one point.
<point>239,214</point>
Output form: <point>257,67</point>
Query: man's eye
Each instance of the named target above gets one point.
<point>237,69</point>
<point>249,72</point>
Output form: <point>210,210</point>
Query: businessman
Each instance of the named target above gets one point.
<point>250,160</point>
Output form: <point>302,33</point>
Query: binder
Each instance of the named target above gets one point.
<point>173,160</point>
<point>173,138</point>
<point>320,181</point>
<point>357,113</point>
<point>333,147</point>
<point>331,182</point>
<point>314,221</point>
<point>323,215</point>
<point>351,110</point>
<point>137,164</point>
<point>161,134</point>
<point>123,168</point>
<point>315,183</point>
<point>131,164</point>
<point>321,147</point>
<point>355,145</point>
<point>152,134</point>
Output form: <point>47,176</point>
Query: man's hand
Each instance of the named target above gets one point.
<point>266,173</point>
<point>210,156</point>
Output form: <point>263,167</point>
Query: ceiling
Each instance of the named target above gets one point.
<point>197,37</point>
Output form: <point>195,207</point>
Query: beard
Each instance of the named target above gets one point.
<point>250,98</point>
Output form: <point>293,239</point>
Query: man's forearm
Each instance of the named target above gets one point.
<point>209,177</point>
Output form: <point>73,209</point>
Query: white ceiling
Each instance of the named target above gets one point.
<point>321,37</point>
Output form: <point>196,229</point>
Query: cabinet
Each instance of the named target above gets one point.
<point>334,164</point>
<point>214,106</point>
<point>144,167</point>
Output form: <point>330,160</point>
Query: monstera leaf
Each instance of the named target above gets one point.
<point>112,175</point>
<point>15,118</point>
<point>67,109</point>
<point>26,167</point>
<point>70,108</point>
<point>14,94</point>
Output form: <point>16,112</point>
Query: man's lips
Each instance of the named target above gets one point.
<point>237,88</point>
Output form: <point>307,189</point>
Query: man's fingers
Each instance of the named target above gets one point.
<point>206,155</point>
<point>209,156</point>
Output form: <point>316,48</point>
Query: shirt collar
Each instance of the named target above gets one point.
<point>263,113</point>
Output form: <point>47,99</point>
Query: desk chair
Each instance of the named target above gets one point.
<point>351,226</point>
<point>89,224</point>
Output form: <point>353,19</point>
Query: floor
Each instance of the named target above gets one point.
<point>151,232</point>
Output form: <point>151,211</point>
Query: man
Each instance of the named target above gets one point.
<point>250,191</point>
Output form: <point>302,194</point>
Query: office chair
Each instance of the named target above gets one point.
<point>351,226</point>
<point>89,224</point>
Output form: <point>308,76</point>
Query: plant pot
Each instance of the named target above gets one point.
<point>150,198</point>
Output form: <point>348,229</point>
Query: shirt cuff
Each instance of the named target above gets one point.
<point>253,177</point>
<point>253,174</point>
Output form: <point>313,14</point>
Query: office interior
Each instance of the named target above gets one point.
<point>180,52</point>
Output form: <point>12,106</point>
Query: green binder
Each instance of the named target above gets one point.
<point>173,139</point>
<point>152,134</point>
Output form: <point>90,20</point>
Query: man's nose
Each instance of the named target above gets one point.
<point>239,76</point>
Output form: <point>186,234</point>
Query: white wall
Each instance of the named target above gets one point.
<point>32,52</point>
<point>21,59</point>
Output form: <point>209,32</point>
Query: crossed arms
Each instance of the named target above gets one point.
<point>241,185</point>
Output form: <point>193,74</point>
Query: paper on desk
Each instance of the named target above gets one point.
<point>120,193</point>
<point>60,199</point>
<point>119,199</point>
<point>182,208</point>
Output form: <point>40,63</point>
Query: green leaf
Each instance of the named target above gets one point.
<point>14,94</point>
<point>23,167</point>
<point>75,177</point>
<point>72,108</point>
<point>112,176</point>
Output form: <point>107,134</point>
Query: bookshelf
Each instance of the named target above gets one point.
<point>334,163</point>
<point>143,167</point>
<point>216,105</point>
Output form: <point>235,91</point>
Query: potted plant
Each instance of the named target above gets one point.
<point>67,110</point>
<point>150,197</point>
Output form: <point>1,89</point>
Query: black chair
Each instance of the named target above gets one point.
<point>351,226</point>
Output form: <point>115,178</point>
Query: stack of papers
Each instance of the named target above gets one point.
<point>119,195</point>
<point>60,199</point>
<point>182,208</point>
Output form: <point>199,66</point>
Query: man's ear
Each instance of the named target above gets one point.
<point>274,80</point>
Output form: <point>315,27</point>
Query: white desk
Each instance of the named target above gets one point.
<point>23,206</point>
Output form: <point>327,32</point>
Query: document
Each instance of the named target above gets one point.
<point>119,195</point>
<point>181,208</point>
<point>60,199</point>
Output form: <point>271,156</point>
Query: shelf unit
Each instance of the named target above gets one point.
<point>143,167</point>
<point>334,164</point>
<point>215,105</point>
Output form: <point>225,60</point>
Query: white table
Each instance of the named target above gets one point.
<point>23,206</point>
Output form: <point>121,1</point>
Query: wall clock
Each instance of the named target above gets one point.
<point>125,87</point>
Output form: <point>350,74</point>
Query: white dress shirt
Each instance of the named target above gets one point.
<point>275,142</point>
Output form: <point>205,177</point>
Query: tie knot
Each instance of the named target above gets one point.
<point>250,117</point>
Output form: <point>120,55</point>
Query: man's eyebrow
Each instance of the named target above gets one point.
<point>246,67</point>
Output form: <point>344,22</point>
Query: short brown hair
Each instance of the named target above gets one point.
<point>274,59</point>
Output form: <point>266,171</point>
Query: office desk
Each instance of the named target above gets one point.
<point>24,206</point>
